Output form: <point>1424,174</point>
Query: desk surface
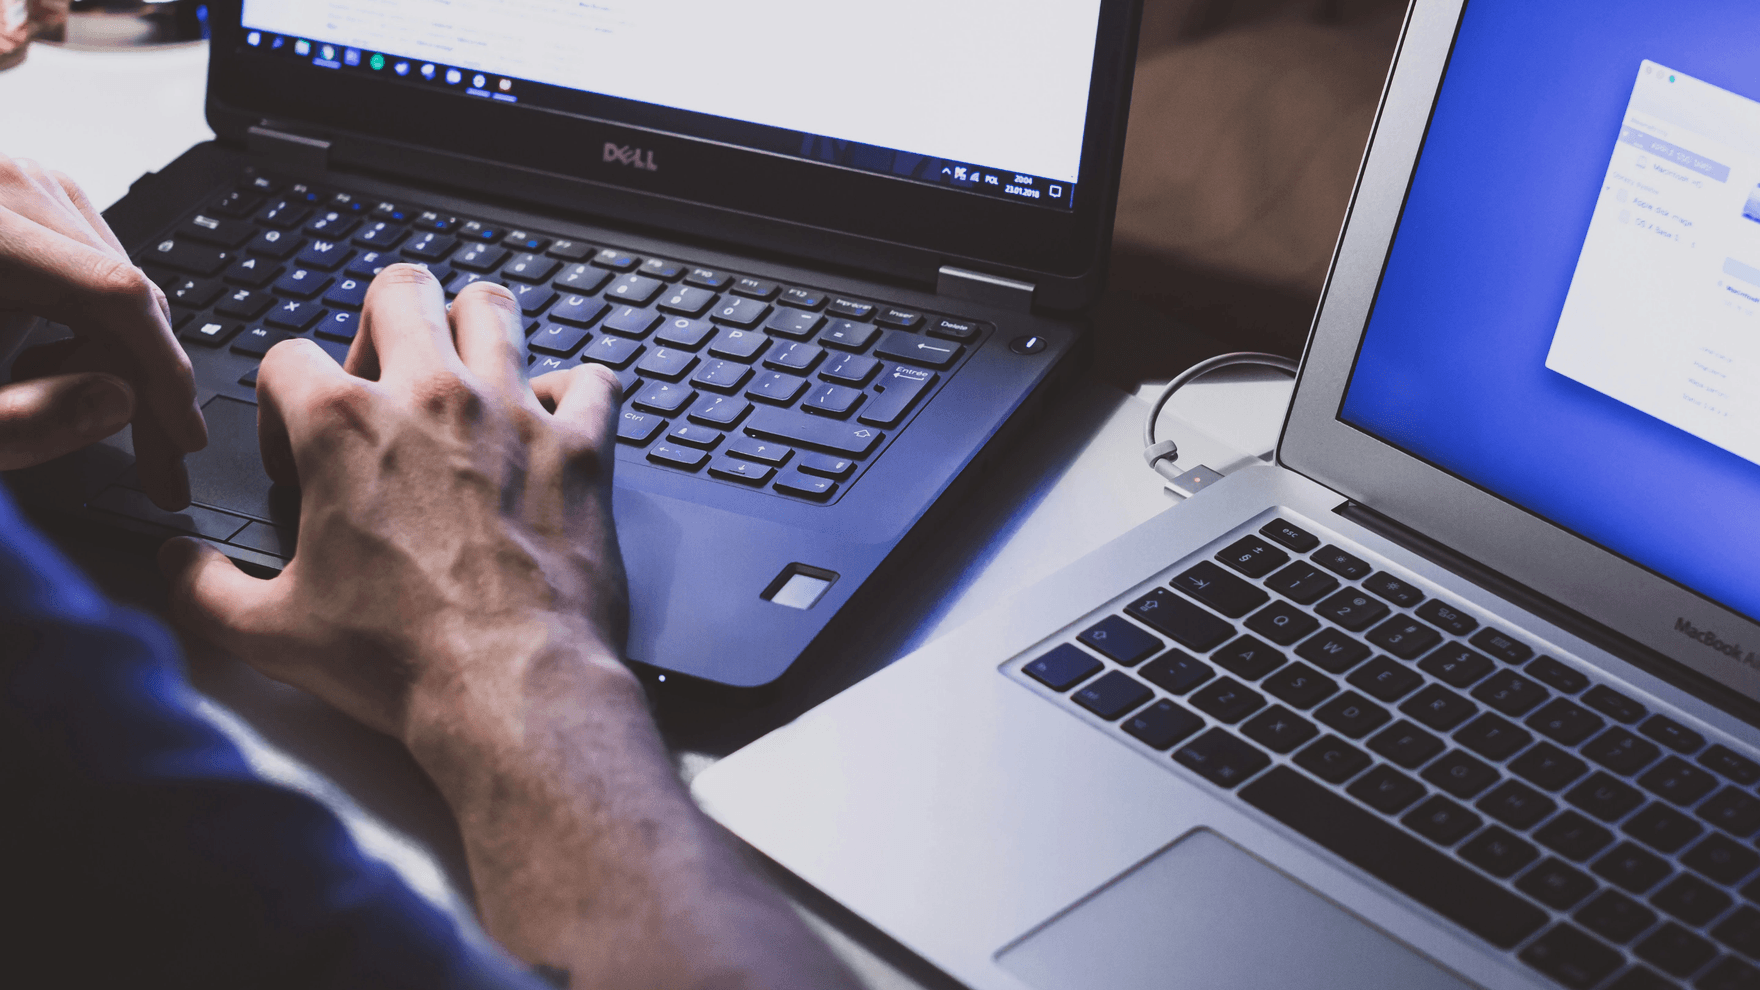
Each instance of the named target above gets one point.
<point>1080,483</point>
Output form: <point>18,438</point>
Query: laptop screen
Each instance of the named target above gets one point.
<point>985,96</point>
<point>1569,316</point>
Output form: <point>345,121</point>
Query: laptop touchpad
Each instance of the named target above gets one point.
<point>229,473</point>
<point>1203,913</point>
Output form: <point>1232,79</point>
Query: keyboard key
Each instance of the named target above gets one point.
<point>720,411</point>
<point>738,345</point>
<point>190,257</point>
<point>1176,672</point>
<point>1162,724</point>
<point>637,427</point>
<point>794,356</point>
<point>1282,624</point>
<point>1455,665</point>
<point>1393,589</point>
<point>1220,590</point>
<point>1404,638</point>
<point>689,458</point>
<point>1510,693</point>
<point>1460,774</point>
<point>1299,686</point>
<point>1441,821</point>
<point>1112,695</point>
<point>848,335</point>
<point>1352,714</point>
<point>855,369</point>
<point>1613,704</point>
<point>569,250</point>
<point>1352,609</point>
<point>1740,931</point>
<point>817,432</point>
<point>430,220</point>
<point>667,363</point>
<point>628,321</point>
<point>633,290</point>
<point>1722,859</point>
<point>194,293</point>
<point>1573,836</point>
<point>252,273</point>
<point>825,465</point>
<point>243,304</point>
<point>1615,917</point>
<point>1605,797</point>
<point>1729,973</point>
<point>749,472</point>
<point>850,308</point>
<point>794,324</point>
<point>1556,884</point>
<point>1388,853</point>
<point>558,339</point>
<point>217,230</point>
<point>1221,758</point>
<point>1339,562</point>
<point>918,350</point>
<point>1332,760</point>
<point>742,313</point>
<point>1501,646</point>
<point>755,288</point>
<point>1493,737</point>
<point>1385,680</point>
<point>1063,668</point>
<point>1731,764</point>
<point>708,279</point>
<point>1190,625</point>
<point>1516,805</point>
<point>1672,734</point>
<point>256,341</point>
<point>718,374</point>
<point>748,449</point>
<point>801,485</point>
<point>1677,780</point>
<point>951,329</point>
<point>1732,810</point>
<point>1620,751</point>
<point>686,333</point>
<point>1302,583</point>
<point>1631,867</point>
<point>525,240</point>
<point>617,261</point>
<point>582,280</point>
<point>1691,899</point>
<point>1451,620</point>
<point>612,351</point>
<point>340,325</point>
<point>1253,557</point>
<point>348,292</point>
<point>1556,675</point>
<point>687,301</point>
<point>210,333</point>
<point>1248,658</point>
<point>666,398</point>
<point>1439,708</point>
<point>696,436</point>
<point>1565,722</point>
<point>903,319</point>
<point>1406,744</point>
<point>380,234</point>
<point>1121,641</point>
<point>1495,851</point>
<point>1572,958</point>
<point>332,224</point>
<point>1548,766</point>
<point>665,271</point>
<point>1278,729</point>
<point>294,315</point>
<point>1227,700</point>
<point>1386,790</point>
<point>237,203</point>
<point>836,401</point>
<point>1675,951</point>
<point>896,392</point>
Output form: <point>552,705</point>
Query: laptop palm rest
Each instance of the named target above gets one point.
<point>1203,913</point>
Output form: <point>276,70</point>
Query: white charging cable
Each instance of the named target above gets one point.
<point>1162,455</point>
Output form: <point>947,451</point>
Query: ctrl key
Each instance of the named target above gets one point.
<point>1222,759</point>
<point>1162,724</point>
<point>1063,668</point>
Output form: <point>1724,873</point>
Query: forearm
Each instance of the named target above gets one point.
<point>586,851</point>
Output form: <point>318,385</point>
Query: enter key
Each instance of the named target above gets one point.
<point>894,393</point>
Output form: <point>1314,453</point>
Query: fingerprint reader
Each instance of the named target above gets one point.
<point>799,586</point>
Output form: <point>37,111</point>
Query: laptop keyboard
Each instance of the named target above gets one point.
<point>748,381</point>
<point>1604,842</point>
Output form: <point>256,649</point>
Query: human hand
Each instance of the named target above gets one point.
<point>455,539</point>
<point>60,261</point>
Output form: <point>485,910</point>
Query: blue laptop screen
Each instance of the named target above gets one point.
<point>1570,313</point>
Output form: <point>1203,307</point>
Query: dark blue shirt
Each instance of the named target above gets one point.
<point>140,848</point>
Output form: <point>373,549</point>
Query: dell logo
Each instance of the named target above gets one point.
<point>633,157</point>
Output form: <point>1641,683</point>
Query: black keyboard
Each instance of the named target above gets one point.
<point>1605,843</point>
<point>737,378</point>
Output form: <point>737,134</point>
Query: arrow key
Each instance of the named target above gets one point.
<point>930,352</point>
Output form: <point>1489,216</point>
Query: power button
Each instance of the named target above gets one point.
<point>1028,345</point>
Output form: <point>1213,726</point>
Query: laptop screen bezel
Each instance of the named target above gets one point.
<point>1617,593</point>
<point>1001,235</point>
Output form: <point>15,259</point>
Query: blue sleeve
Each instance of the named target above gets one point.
<point>141,848</point>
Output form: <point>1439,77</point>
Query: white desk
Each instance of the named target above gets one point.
<point>105,118</point>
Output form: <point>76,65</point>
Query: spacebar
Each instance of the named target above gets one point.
<point>1396,857</point>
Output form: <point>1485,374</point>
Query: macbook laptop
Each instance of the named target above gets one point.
<point>1459,692</point>
<point>836,251</point>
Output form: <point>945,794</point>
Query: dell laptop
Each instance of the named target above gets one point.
<point>835,251</point>
<point>1461,691</point>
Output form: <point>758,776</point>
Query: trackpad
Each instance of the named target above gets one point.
<point>1203,913</point>
<point>229,473</point>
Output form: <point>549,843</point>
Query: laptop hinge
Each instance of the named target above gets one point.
<point>295,149</point>
<point>992,290</point>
